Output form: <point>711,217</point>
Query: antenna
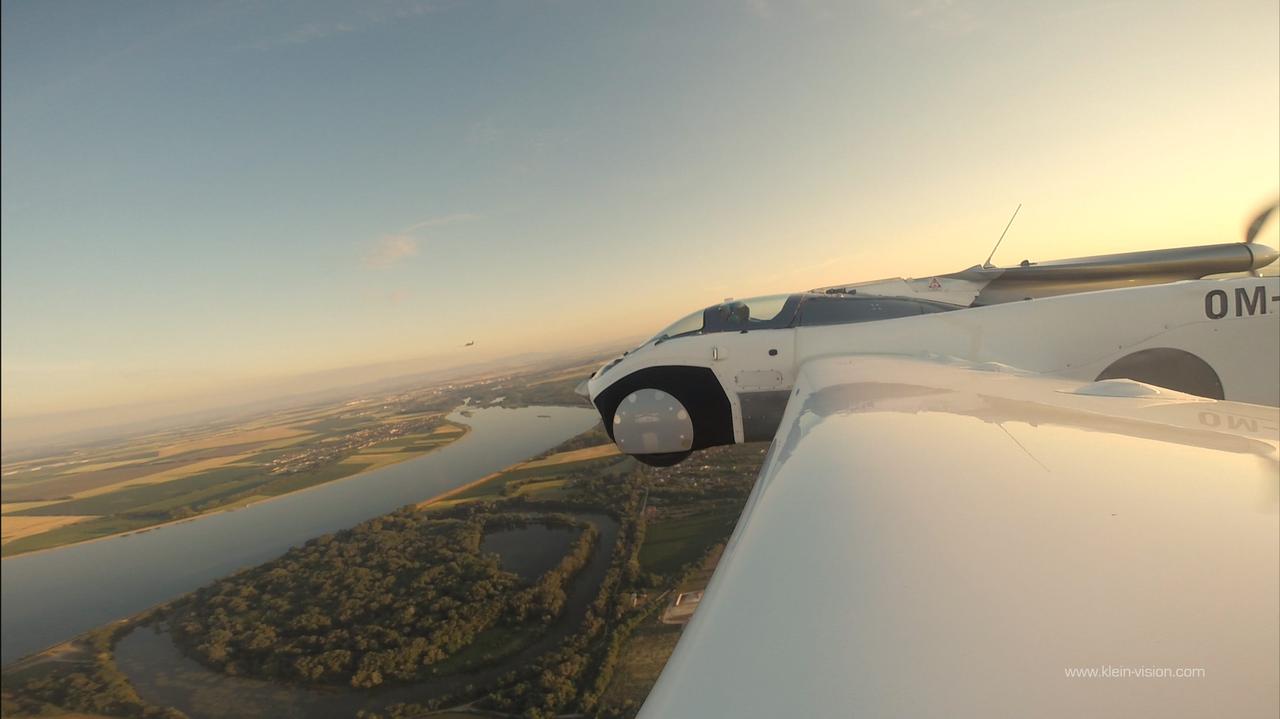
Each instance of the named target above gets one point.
<point>1002,234</point>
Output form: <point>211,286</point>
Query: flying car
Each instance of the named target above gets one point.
<point>724,374</point>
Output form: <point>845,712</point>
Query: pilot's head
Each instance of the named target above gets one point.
<point>733,313</point>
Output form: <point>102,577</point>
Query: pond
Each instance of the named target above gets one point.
<point>529,551</point>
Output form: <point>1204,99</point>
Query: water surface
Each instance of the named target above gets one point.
<point>529,551</point>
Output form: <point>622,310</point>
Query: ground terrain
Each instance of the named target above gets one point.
<point>588,641</point>
<point>76,494</point>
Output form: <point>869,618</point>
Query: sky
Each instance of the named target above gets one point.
<point>198,197</point>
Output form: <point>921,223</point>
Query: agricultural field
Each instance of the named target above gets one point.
<point>542,478</point>
<point>99,492</point>
<point>646,651</point>
<point>674,542</point>
<point>642,659</point>
<point>104,489</point>
<point>17,527</point>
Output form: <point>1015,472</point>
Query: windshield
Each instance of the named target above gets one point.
<point>684,326</point>
<point>769,312</point>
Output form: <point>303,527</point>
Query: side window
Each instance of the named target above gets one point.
<point>847,310</point>
<point>757,313</point>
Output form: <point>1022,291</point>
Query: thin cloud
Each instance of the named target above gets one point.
<point>313,31</point>
<point>455,219</point>
<point>357,18</point>
<point>762,9</point>
<point>15,366</point>
<point>396,247</point>
<point>485,131</point>
<point>947,17</point>
<point>391,250</point>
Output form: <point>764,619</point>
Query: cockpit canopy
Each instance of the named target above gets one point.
<point>755,313</point>
<point>796,310</point>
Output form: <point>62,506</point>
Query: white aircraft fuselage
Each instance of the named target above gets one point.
<point>725,375</point>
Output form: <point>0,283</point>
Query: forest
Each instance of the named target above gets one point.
<point>381,602</point>
<point>402,598</point>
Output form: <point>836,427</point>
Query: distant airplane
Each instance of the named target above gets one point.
<point>956,473</point>
<point>472,342</point>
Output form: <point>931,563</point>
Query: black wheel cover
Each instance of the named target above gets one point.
<point>697,389</point>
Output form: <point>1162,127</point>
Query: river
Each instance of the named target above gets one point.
<point>51,596</point>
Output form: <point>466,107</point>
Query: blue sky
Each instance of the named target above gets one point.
<point>198,196</point>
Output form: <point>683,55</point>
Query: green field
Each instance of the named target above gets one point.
<point>641,661</point>
<point>157,497</point>
<point>669,544</point>
<point>332,425</point>
<point>79,532</point>
<point>489,646</point>
<point>490,488</point>
<point>560,470</point>
<point>545,489</point>
<point>543,482</point>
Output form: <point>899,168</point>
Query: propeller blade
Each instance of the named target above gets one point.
<point>1255,227</point>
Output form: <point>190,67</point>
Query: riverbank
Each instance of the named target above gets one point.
<point>386,459</point>
<point>541,461</point>
<point>54,595</point>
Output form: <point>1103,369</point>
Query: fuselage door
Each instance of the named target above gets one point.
<point>753,354</point>
<point>762,380</point>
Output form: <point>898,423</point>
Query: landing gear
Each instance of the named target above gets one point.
<point>661,415</point>
<point>652,421</point>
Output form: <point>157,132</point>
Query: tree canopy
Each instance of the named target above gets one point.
<point>381,602</point>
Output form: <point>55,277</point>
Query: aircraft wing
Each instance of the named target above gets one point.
<point>936,539</point>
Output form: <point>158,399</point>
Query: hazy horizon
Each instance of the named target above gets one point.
<point>61,429</point>
<point>199,200</point>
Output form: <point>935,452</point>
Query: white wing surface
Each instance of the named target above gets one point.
<point>935,539</point>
